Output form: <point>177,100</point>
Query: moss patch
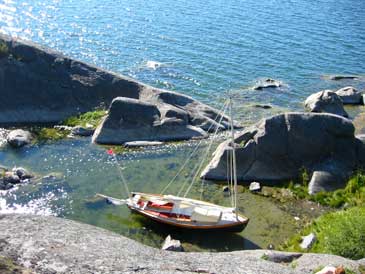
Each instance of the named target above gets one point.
<point>7,266</point>
<point>4,50</point>
<point>92,118</point>
<point>49,134</point>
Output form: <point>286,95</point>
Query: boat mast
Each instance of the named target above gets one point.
<point>233,156</point>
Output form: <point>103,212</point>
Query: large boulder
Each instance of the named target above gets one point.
<point>19,137</point>
<point>279,147</point>
<point>350,96</point>
<point>325,101</point>
<point>3,135</point>
<point>40,85</point>
<point>131,120</point>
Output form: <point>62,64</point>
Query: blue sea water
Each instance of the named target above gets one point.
<point>200,48</point>
<point>204,48</point>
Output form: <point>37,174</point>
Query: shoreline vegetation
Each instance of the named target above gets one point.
<point>341,230</point>
<point>90,119</point>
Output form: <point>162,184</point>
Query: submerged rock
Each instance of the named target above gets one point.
<point>350,95</point>
<point>17,175</point>
<point>279,147</point>
<point>343,77</point>
<point>18,138</point>
<point>325,101</point>
<point>267,83</point>
<point>131,120</point>
<point>262,106</point>
<point>51,87</point>
<point>22,173</point>
<point>11,178</point>
<point>172,245</point>
<point>142,143</point>
<point>82,131</point>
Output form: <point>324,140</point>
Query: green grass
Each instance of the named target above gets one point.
<point>352,195</point>
<point>49,134</point>
<point>341,233</point>
<point>92,118</point>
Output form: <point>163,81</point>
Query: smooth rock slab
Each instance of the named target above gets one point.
<point>54,245</point>
<point>325,101</point>
<point>131,120</point>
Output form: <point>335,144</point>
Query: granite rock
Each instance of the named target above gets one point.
<point>325,101</point>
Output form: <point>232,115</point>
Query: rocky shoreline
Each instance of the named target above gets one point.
<point>54,245</point>
<point>51,87</point>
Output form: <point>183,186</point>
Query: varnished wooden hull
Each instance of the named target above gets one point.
<point>232,227</point>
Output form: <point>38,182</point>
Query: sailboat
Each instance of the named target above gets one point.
<point>186,213</point>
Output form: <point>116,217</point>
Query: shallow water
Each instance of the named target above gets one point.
<point>81,170</point>
<point>200,48</point>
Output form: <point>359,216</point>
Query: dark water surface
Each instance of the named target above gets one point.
<point>200,48</point>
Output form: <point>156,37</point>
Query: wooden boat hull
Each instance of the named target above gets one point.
<point>232,227</point>
<point>184,222</point>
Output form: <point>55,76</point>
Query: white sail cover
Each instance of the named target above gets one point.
<point>205,215</point>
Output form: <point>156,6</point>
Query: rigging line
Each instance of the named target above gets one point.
<point>231,175</point>
<point>195,149</point>
<point>121,174</point>
<point>228,177</point>
<point>204,157</point>
<point>195,170</point>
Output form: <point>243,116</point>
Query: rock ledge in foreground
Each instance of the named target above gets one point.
<point>55,245</point>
